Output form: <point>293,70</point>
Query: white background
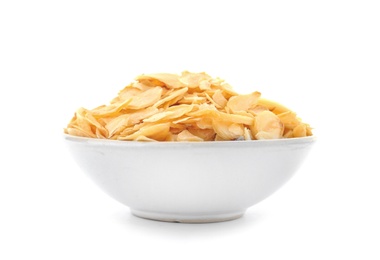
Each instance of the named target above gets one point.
<point>320,58</point>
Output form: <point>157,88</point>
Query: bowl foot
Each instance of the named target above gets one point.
<point>183,218</point>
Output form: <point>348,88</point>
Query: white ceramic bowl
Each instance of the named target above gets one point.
<point>192,181</point>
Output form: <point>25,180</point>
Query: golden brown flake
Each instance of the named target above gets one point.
<point>190,107</point>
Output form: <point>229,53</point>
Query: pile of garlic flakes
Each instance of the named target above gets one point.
<point>186,107</point>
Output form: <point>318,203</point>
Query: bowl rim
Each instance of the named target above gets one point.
<point>240,143</point>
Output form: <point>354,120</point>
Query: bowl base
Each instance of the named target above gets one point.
<point>176,218</point>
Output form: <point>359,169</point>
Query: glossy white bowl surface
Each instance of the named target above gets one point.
<point>193,181</point>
